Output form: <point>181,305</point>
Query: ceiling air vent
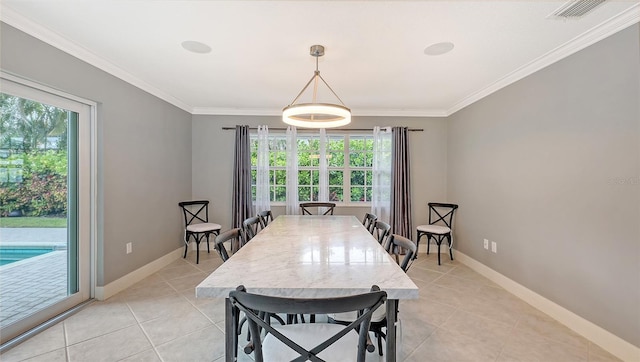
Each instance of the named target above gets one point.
<point>576,9</point>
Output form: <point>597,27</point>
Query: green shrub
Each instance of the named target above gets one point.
<point>43,189</point>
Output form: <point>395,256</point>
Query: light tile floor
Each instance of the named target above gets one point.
<point>460,316</point>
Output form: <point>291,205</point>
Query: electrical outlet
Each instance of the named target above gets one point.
<point>494,246</point>
<point>129,248</point>
<point>486,244</point>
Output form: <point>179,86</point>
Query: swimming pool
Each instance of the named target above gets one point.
<point>11,254</point>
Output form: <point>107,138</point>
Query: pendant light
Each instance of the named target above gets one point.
<point>316,114</point>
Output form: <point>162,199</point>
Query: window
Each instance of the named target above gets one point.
<point>349,165</point>
<point>277,167</point>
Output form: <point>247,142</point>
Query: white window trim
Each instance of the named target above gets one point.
<point>87,164</point>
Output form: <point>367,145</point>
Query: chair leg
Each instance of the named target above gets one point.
<point>450,249</point>
<point>186,245</point>
<point>428,243</point>
<point>370,347</point>
<point>236,336</point>
<point>439,241</point>
<point>208,250</point>
<point>198,252</point>
<point>420,235</point>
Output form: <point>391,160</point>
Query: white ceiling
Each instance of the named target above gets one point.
<point>260,58</point>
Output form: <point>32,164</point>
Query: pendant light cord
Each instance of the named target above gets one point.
<point>315,77</point>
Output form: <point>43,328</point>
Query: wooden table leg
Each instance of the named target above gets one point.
<point>392,315</point>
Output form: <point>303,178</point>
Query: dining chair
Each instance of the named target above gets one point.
<point>440,226</point>
<point>251,227</point>
<point>196,224</point>
<point>379,317</point>
<point>307,341</point>
<point>306,207</point>
<point>381,231</point>
<point>266,217</point>
<point>400,245</point>
<point>369,221</point>
<point>234,238</point>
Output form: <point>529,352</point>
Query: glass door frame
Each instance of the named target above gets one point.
<point>86,195</point>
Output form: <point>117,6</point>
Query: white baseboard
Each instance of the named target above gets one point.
<point>444,248</point>
<point>113,288</point>
<point>603,338</point>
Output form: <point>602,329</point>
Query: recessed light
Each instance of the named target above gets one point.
<point>196,47</point>
<point>438,48</point>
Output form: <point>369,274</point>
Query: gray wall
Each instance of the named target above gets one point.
<point>144,151</point>
<point>549,168</point>
<point>213,161</point>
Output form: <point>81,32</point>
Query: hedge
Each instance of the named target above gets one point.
<point>43,189</point>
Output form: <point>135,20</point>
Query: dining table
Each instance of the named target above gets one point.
<point>311,256</point>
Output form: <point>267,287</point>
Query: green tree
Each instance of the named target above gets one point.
<point>25,124</point>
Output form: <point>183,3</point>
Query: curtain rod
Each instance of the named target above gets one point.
<point>332,129</point>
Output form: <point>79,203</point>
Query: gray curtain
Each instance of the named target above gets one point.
<point>400,217</point>
<point>242,204</point>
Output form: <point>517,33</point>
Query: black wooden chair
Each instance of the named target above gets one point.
<point>235,240</point>
<point>307,341</point>
<point>381,231</point>
<point>379,318</point>
<point>266,217</point>
<point>440,226</point>
<point>196,224</point>
<point>307,207</point>
<point>399,245</point>
<point>396,245</point>
<point>251,227</point>
<point>369,221</point>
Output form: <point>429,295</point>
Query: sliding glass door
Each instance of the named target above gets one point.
<point>45,206</point>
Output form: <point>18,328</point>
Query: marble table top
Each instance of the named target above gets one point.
<point>310,257</point>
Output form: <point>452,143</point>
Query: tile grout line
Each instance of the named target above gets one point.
<point>153,346</point>
<point>437,327</point>
<point>66,341</point>
<point>504,345</point>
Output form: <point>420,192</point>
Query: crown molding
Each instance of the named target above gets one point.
<point>217,111</point>
<point>613,25</point>
<point>401,113</point>
<point>213,111</point>
<point>10,17</point>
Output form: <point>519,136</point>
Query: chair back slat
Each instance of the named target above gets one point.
<point>235,239</point>
<point>396,242</point>
<point>306,206</point>
<point>369,221</point>
<point>251,227</point>
<point>253,305</point>
<point>265,217</point>
<point>195,210</point>
<point>440,212</point>
<point>381,232</point>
